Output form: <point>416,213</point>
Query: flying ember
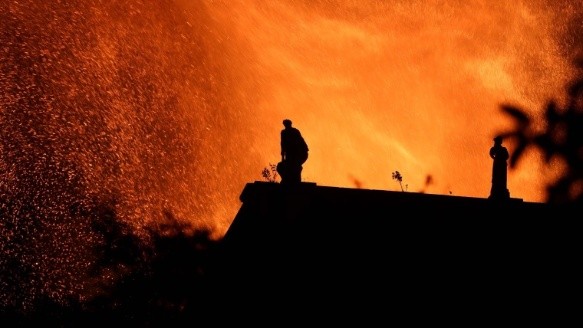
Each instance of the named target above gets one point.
<point>150,111</point>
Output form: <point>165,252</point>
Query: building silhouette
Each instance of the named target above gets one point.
<point>377,255</point>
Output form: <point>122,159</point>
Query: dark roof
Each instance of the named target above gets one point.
<point>339,246</point>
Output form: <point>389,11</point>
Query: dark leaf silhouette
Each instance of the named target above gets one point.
<point>561,137</point>
<point>519,115</point>
<point>551,113</point>
<point>576,89</point>
<point>517,154</point>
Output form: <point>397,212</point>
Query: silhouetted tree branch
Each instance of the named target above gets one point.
<point>561,138</point>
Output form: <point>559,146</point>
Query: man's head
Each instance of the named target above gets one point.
<point>287,123</point>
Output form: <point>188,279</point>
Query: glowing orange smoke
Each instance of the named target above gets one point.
<point>165,109</point>
<point>411,86</point>
<point>172,107</point>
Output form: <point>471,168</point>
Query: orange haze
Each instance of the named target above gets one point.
<point>377,87</point>
<point>168,108</point>
<point>155,111</point>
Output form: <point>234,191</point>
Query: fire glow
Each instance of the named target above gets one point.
<point>168,108</point>
<point>383,86</point>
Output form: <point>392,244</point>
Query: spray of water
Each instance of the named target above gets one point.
<point>158,109</point>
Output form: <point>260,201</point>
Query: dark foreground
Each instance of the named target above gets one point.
<point>308,254</point>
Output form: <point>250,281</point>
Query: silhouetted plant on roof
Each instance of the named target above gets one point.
<point>270,173</point>
<point>560,138</point>
<point>397,176</point>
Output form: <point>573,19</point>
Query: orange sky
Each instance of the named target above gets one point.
<point>167,109</point>
<point>151,111</point>
<point>413,86</point>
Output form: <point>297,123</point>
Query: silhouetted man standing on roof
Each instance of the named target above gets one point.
<point>499,170</point>
<point>294,153</point>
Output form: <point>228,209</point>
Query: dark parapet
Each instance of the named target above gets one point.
<point>348,248</point>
